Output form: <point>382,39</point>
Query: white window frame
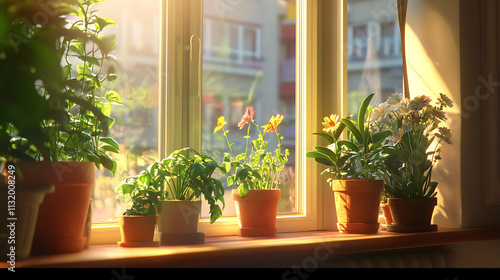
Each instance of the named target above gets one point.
<point>180,102</point>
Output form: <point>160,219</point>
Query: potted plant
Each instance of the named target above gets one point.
<point>256,173</point>
<point>179,181</point>
<point>138,222</point>
<point>386,211</point>
<point>56,124</point>
<point>356,167</point>
<point>415,125</point>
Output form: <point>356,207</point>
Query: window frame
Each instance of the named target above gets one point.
<point>180,64</point>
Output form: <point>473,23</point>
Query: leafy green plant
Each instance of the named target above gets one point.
<point>87,138</point>
<point>257,168</point>
<point>184,175</point>
<point>360,157</point>
<point>31,63</point>
<point>413,124</point>
<point>141,200</point>
<point>52,114</point>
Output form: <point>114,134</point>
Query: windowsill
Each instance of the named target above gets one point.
<point>232,251</point>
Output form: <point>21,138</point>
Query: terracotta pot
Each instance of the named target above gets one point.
<point>27,201</point>
<point>137,231</point>
<point>387,213</point>
<point>178,222</point>
<point>256,212</point>
<point>412,214</point>
<point>357,204</point>
<point>62,214</point>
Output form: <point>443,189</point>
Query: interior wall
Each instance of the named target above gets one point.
<point>433,57</point>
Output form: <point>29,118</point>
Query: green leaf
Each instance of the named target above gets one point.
<point>243,190</point>
<point>362,112</point>
<point>84,69</point>
<point>354,130</point>
<point>110,141</point>
<point>349,145</point>
<point>108,148</point>
<point>326,152</point>
<point>78,47</point>
<point>317,155</point>
<point>103,22</point>
<point>113,97</point>
<point>104,107</point>
<point>326,136</point>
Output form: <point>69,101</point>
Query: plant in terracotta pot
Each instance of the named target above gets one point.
<point>256,173</point>
<point>386,211</point>
<point>416,126</point>
<point>355,166</point>
<point>137,224</point>
<point>180,180</point>
<point>57,114</point>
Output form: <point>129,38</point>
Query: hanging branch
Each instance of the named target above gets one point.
<point>402,8</point>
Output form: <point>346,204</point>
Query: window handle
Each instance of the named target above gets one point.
<point>198,62</point>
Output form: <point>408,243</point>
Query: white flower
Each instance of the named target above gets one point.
<point>395,100</point>
<point>381,112</point>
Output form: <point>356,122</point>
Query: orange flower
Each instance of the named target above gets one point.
<point>220,124</point>
<point>247,118</point>
<point>273,123</point>
<point>331,123</point>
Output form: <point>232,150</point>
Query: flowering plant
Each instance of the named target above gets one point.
<point>359,157</point>
<point>256,168</point>
<point>415,125</point>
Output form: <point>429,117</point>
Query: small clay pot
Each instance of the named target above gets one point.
<point>257,212</point>
<point>357,204</point>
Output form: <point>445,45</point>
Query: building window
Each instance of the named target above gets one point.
<point>374,51</point>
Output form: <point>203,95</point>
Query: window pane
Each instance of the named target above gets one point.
<point>136,126</point>
<point>249,60</point>
<point>374,52</point>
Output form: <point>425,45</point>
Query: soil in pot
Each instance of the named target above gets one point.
<point>357,205</point>
<point>412,214</point>
<point>137,231</point>
<point>62,214</point>
<point>257,212</point>
<point>178,222</point>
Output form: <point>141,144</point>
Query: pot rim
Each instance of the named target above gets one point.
<point>357,185</point>
<point>273,194</point>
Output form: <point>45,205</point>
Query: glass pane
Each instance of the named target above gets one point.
<point>374,58</point>
<point>249,61</point>
<point>136,126</point>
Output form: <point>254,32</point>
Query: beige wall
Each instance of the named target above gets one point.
<point>433,55</point>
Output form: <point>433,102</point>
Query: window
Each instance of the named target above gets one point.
<point>185,116</point>
<point>374,51</point>
<point>246,62</point>
<point>136,126</point>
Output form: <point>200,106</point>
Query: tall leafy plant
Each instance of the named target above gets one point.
<point>55,108</point>
<point>31,79</point>
<point>86,139</point>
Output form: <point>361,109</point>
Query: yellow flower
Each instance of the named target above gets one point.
<point>220,124</point>
<point>273,123</point>
<point>330,124</point>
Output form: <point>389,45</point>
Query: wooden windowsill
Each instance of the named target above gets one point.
<point>233,251</point>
